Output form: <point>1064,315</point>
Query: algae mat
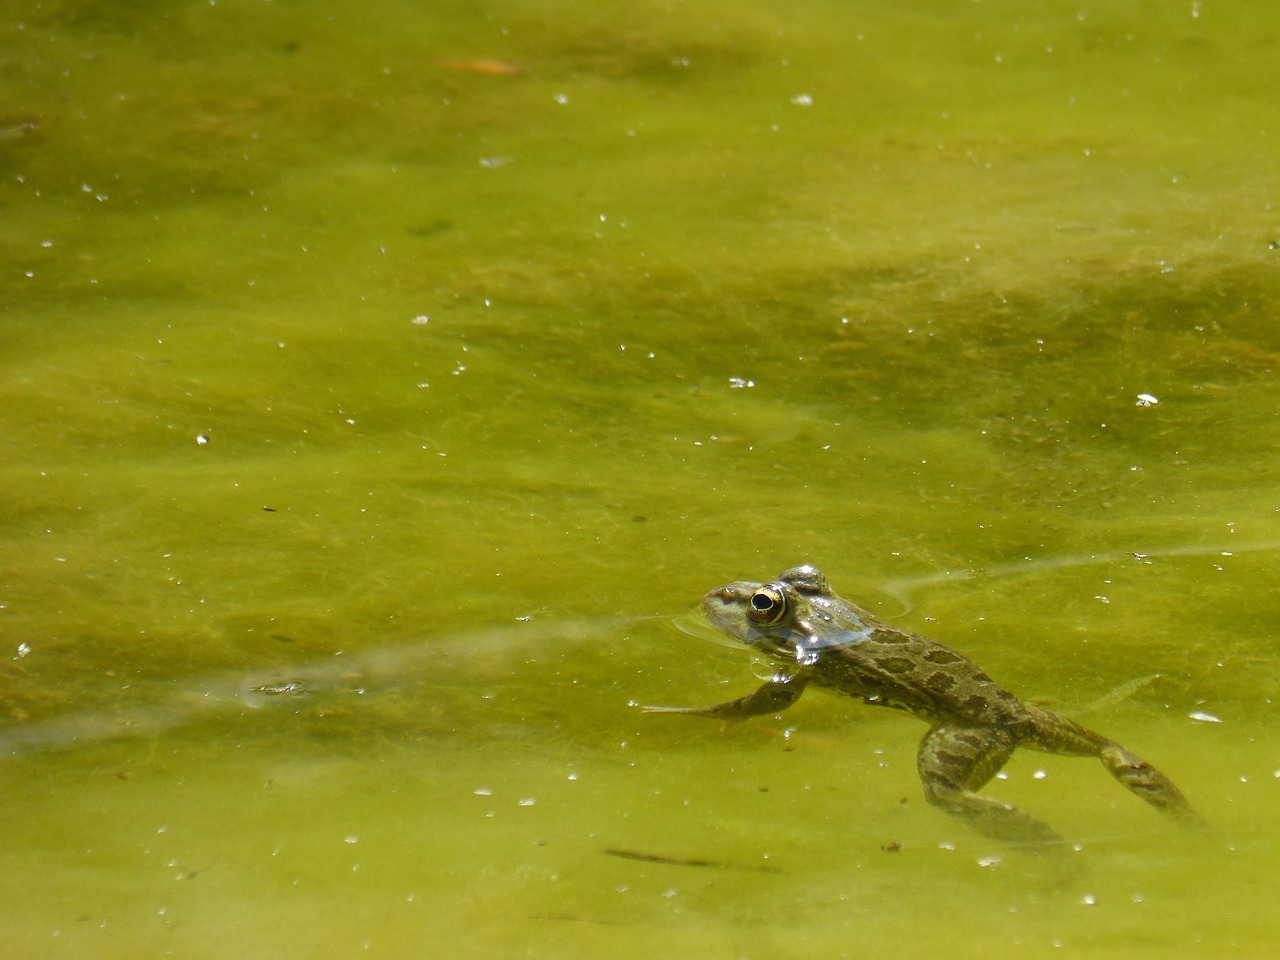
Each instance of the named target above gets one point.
<point>383,386</point>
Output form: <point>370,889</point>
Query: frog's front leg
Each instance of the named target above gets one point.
<point>771,697</point>
<point>955,762</point>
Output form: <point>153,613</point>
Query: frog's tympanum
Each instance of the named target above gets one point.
<point>815,637</point>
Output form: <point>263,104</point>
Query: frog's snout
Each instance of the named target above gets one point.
<point>716,598</point>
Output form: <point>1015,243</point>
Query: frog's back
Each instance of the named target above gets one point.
<point>904,670</point>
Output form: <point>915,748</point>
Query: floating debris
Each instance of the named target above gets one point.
<point>1201,717</point>
<point>491,68</point>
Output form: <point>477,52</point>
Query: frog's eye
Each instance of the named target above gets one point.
<point>767,605</point>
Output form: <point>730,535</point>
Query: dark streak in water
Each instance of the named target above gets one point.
<point>683,861</point>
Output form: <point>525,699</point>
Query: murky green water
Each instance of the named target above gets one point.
<point>380,383</point>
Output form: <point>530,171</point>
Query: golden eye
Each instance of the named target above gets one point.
<point>767,605</point>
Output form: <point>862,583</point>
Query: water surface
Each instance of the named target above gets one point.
<point>381,384</point>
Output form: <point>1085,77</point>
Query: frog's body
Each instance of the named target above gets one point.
<point>975,724</point>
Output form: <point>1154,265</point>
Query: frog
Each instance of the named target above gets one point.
<point>809,636</point>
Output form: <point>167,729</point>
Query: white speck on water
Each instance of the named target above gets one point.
<point>1201,717</point>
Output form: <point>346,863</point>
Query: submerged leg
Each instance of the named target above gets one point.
<point>955,762</point>
<point>769,698</point>
<point>1055,734</point>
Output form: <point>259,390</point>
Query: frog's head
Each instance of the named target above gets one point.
<point>790,617</point>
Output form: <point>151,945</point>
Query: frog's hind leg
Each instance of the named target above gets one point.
<point>1055,734</point>
<point>955,762</point>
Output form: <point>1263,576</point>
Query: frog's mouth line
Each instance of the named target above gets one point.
<point>694,622</point>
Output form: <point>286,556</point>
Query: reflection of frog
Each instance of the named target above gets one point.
<point>813,636</point>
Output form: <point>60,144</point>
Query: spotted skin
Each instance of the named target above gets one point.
<point>820,639</point>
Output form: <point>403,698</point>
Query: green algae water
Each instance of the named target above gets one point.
<point>382,387</point>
